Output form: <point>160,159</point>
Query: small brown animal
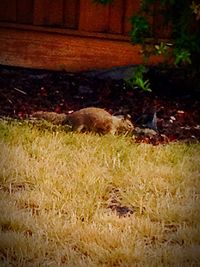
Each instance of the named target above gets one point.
<point>89,119</point>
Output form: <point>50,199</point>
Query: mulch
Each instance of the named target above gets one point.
<point>175,99</point>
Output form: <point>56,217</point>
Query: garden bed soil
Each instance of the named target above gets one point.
<point>174,100</point>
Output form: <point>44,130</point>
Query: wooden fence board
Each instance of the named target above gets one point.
<point>8,10</point>
<point>160,29</point>
<point>71,13</point>
<point>25,11</point>
<point>87,35</point>
<point>59,52</point>
<point>55,12</point>
<point>39,13</point>
<point>48,12</point>
<point>65,31</point>
<point>131,7</point>
<point>116,16</point>
<point>93,17</point>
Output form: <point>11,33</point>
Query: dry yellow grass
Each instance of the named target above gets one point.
<point>57,190</point>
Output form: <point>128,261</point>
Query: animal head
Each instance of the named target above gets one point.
<point>127,125</point>
<point>124,124</point>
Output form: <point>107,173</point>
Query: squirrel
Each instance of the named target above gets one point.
<point>89,119</point>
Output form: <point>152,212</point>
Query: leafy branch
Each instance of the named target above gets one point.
<point>182,48</point>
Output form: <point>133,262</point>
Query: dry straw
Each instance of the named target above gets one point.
<point>71,199</point>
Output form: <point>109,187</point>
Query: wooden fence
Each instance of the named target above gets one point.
<point>69,34</point>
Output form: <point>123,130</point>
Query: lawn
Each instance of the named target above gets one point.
<point>69,199</point>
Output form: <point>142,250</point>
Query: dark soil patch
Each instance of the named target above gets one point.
<point>175,99</point>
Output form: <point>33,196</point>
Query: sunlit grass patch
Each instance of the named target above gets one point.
<point>87,200</point>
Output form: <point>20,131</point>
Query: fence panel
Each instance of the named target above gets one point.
<point>116,16</point>
<point>131,7</point>
<point>25,11</point>
<point>71,13</point>
<point>48,12</point>
<point>8,10</point>
<point>82,15</point>
<point>93,17</point>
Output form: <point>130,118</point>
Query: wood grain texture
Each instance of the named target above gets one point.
<point>25,11</point>
<point>48,12</point>
<point>93,17</point>
<point>38,12</point>
<point>116,16</point>
<point>131,7</point>
<point>64,52</point>
<point>8,10</point>
<point>65,31</point>
<point>71,13</point>
<point>160,29</point>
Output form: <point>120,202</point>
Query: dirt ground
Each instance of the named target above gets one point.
<point>174,100</point>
